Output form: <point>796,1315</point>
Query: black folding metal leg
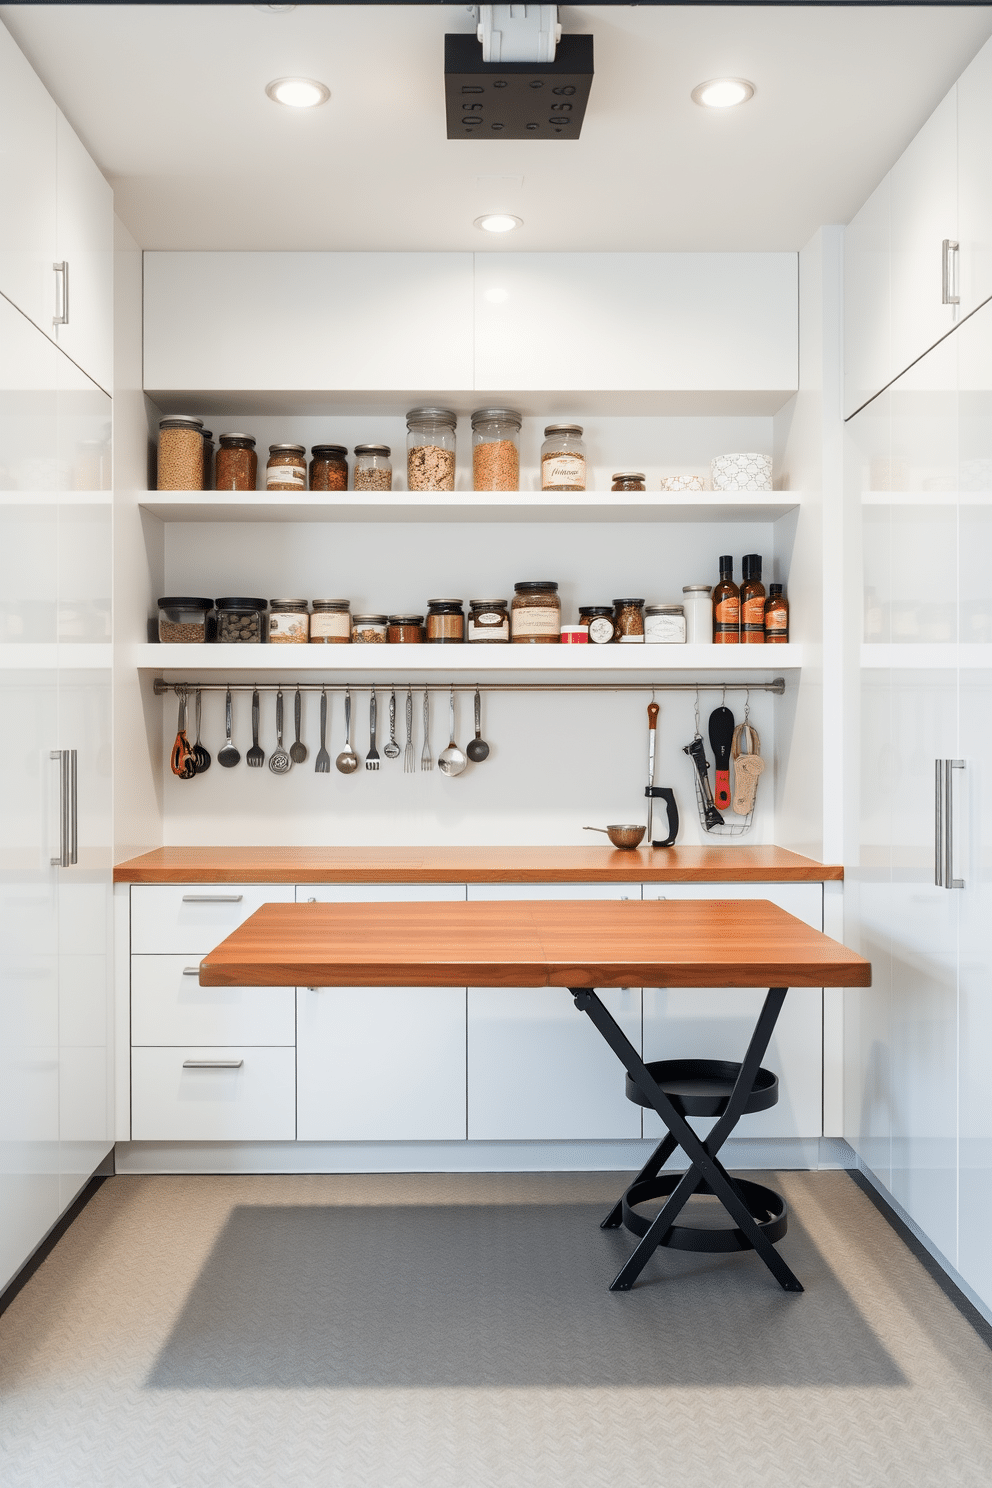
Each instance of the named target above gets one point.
<point>705,1168</point>
<point>651,1169</point>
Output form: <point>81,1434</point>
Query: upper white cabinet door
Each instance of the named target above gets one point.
<point>27,187</point>
<point>974,89</point>
<point>293,321</point>
<point>867,300</point>
<point>84,240</point>
<point>680,322</point>
<point>923,213</point>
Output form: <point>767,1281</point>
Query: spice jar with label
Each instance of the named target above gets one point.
<point>241,621</point>
<point>405,630</point>
<point>286,469</point>
<point>208,460</point>
<point>776,617</point>
<point>430,449</point>
<point>598,620</point>
<point>535,614</point>
<point>726,606</point>
<point>664,624</point>
<point>369,630</point>
<point>183,621</point>
<point>180,453</point>
<point>628,619</point>
<point>236,466</point>
<point>698,608</point>
<point>629,480</point>
<point>330,623</point>
<point>495,456</point>
<point>563,458</point>
<point>373,467</point>
<point>329,468</point>
<point>445,622</point>
<point>289,622</point>
<point>488,621</point>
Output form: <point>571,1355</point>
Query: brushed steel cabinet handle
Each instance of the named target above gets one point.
<point>938,823</point>
<point>212,1063</point>
<point>191,971</point>
<point>950,882</point>
<point>61,316</point>
<point>212,898</point>
<point>949,261</point>
<point>68,854</point>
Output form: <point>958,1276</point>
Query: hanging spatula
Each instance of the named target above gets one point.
<point>721,739</point>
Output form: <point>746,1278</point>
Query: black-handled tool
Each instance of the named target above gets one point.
<point>696,752</point>
<point>721,738</point>
<point>659,792</point>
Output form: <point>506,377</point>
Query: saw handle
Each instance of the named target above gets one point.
<point>666,794</point>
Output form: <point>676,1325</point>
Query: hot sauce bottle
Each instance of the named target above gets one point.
<point>776,617</point>
<point>752,602</point>
<point>726,606</point>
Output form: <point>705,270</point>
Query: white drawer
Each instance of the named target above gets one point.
<point>168,1006</point>
<point>252,1100</point>
<point>557,891</point>
<point>380,893</point>
<point>190,919</point>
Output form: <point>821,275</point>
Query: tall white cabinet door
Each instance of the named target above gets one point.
<point>84,240</point>
<point>867,299</point>
<point>380,1064</point>
<point>974,91</point>
<point>537,1068</point>
<point>717,1022</point>
<point>27,186</point>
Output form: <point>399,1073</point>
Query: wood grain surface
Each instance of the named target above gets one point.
<point>586,864</point>
<point>627,943</point>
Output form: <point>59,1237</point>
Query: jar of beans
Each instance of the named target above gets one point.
<point>445,621</point>
<point>430,449</point>
<point>330,623</point>
<point>241,621</point>
<point>495,456</point>
<point>535,615</point>
<point>289,622</point>
<point>488,621</point>
<point>563,458</point>
<point>180,453</point>
<point>405,630</point>
<point>628,620</point>
<point>329,468</point>
<point>183,621</point>
<point>373,467</point>
<point>236,464</point>
<point>286,469</point>
<point>369,630</point>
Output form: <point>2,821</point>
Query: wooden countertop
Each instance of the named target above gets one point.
<point>586,864</point>
<point>616,943</point>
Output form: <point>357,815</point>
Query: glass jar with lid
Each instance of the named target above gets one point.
<point>488,621</point>
<point>330,623</point>
<point>495,456</point>
<point>563,458</point>
<point>628,619</point>
<point>369,630</point>
<point>445,622</point>
<point>373,467</point>
<point>430,449</point>
<point>664,624</point>
<point>183,621</point>
<point>629,480</point>
<point>405,630</point>
<point>180,453</point>
<point>697,606</point>
<point>598,619</point>
<point>329,468</point>
<point>236,466</point>
<point>241,621</point>
<point>289,622</point>
<point>535,614</point>
<point>286,469</point>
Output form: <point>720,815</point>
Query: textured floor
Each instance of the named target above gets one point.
<point>456,1332</point>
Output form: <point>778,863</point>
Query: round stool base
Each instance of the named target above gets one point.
<point>768,1209</point>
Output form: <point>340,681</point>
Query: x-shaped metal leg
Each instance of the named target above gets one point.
<point>705,1168</point>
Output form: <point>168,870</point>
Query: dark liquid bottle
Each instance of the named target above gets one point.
<point>776,617</point>
<point>726,606</point>
<point>752,602</point>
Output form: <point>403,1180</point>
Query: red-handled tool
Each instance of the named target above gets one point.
<point>721,739</point>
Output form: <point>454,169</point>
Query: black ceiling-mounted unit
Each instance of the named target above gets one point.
<point>516,100</point>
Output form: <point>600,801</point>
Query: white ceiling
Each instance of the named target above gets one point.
<point>170,101</point>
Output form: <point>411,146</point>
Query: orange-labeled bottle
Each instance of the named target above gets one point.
<point>776,617</point>
<point>726,606</point>
<point>752,602</point>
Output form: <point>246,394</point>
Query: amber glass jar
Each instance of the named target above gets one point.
<point>628,620</point>
<point>598,620</point>
<point>329,468</point>
<point>535,615</point>
<point>330,623</point>
<point>776,617</point>
<point>236,466</point>
<point>289,622</point>
<point>405,630</point>
<point>488,621</point>
<point>628,480</point>
<point>726,606</point>
<point>445,622</point>
<point>286,469</point>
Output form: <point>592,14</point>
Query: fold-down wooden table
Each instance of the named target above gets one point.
<point>578,946</point>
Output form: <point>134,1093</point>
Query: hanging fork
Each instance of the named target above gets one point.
<point>426,758</point>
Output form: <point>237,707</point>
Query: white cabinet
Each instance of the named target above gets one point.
<point>84,242</point>
<point>867,299</point>
<point>974,233</point>
<point>190,919</point>
<point>211,1094</point>
<point>27,186</point>
<point>168,1006</point>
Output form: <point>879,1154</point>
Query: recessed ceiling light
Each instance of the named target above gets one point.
<point>297,92</point>
<point>723,92</point>
<point>498,222</point>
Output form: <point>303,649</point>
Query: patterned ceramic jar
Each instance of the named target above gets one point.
<point>742,473</point>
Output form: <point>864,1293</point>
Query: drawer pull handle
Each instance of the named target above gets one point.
<point>212,898</point>
<point>212,1063</point>
<point>191,971</point>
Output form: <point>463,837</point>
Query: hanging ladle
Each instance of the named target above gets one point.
<point>477,748</point>
<point>451,760</point>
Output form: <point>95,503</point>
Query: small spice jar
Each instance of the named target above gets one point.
<point>208,460</point>
<point>180,453</point>
<point>329,468</point>
<point>241,621</point>
<point>430,449</point>
<point>697,606</point>
<point>445,622</point>
<point>289,622</point>
<point>183,621</point>
<point>330,623</point>
<point>369,630</point>
<point>405,630</point>
<point>495,456</point>
<point>628,619</point>
<point>488,621</point>
<point>598,620</point>
<point>236,464</point>
<point>373,467</point>
<point>574,635</point>
<point>563,458</point>
<point>535,614</point>
<point>286,469</point>
<point>664,624</point>
<point>629,480</point>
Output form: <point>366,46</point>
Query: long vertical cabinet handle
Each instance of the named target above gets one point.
<point>950,289</point>
<point>950,882</point>
<point>68,854</point>
<point>61,316</point>
<point>938,823</point>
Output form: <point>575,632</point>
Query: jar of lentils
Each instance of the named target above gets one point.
<point>495,456</point>
<point>236,464</point>
<point>369,630</point>
<point>405,630</point>
<point>183,621</point>
<point>241,621</point>
<point>180,453</point>
<point>286,469</point>
<point>330,623</point>
<point>430,449</point>
<point>373,467</point>
<point>488,621</point>
<point>563,458</point>
<point>628,620</point>
<point>445,622</point>
<point>289,622</point>
<point>535,614</point>
<point>329,468</point>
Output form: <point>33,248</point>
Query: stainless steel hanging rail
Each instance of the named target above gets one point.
<point>777,685</point>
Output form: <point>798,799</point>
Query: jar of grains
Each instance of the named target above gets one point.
<point>289,622</point>
<point>563,458</point>
<point>180,453</point>
<point>369,630</point>
<point>236,464</point>
<point>373,467</point>
<point>329,468</point>
<point>664,623</point>
<point>535,615</point>
<point>330,623</point>
<point>241,621</point>
<point>629,480</point>
<point>488,620</point>
<point>208,459</point>
<point>628,619</point>
<point>430,449</point>
<point>286,469</point>
<point>495,457</point>
<point>698,609</point>
<point>598,619</point>
<point>445,622</point>
<point>183,621</point>
<point>405,630</point>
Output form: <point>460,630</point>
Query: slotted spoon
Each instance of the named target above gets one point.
<point>279,760</point>
<point>392,749</point>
